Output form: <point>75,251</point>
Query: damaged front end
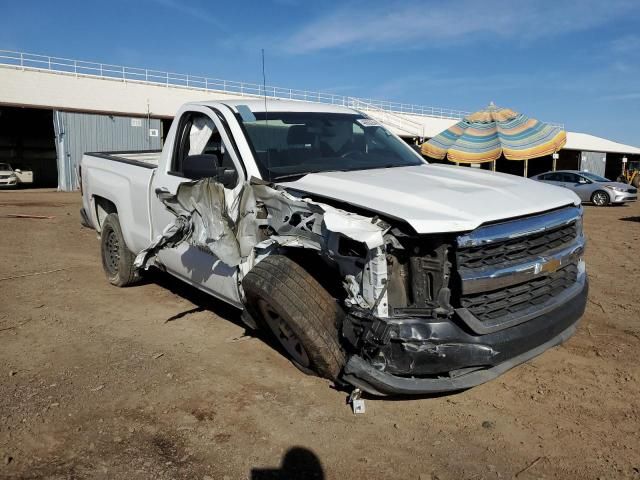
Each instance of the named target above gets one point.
<point>419,337</point>
<point>465,308</point>
<point>423,313</point>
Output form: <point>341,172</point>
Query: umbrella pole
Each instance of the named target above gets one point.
<point>493,166</point>
<point>526,168</point>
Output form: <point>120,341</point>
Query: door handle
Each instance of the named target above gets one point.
<point>160,190</point>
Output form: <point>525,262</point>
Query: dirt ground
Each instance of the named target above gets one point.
<point>159,381</point>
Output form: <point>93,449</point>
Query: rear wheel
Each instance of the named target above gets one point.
<point>600,198</point>
<point>302,316</point>
<point>117,260</point>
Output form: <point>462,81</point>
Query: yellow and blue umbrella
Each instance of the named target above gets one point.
<point>487,134</point>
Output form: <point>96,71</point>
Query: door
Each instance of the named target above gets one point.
<point>582,186</point>
<point>554,178</point>
<point>198,132</point>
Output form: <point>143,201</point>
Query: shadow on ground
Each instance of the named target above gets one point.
<point>205,302</point>
<point>298,463</point>
<point>202,300</point>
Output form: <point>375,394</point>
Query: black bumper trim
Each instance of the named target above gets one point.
<point>514,345</point>
<point>363,375</point>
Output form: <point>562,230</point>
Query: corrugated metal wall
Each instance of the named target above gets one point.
<point>594,162</point>
<point>77,133</point>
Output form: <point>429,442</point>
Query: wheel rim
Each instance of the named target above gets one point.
<point>112,252</point>
<point>599,198</point>
<point>285,335</point>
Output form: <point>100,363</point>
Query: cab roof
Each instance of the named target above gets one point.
<point>277,105</point>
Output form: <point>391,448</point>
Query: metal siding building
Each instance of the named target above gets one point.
<point>594,162</point>
<point>77,133</point>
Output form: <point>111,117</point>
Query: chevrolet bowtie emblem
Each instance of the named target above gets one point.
<point>549,266</point>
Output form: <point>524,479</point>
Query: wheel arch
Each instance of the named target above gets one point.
<point>325,272</point>
<point>103,207</point>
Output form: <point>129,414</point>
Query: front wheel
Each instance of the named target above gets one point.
<point>600,198</point>
<point>302,316</point>
<point>117,260</point>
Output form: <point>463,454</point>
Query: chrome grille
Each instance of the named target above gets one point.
<point>509,268</point>
<point>518,249</point>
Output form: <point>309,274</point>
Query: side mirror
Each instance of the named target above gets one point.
<point>197,167</point>
<point>584,181</point>
<point>17,170</point>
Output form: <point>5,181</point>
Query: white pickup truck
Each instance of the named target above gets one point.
<point>370,266</point>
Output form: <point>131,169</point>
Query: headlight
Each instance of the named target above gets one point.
<point>615,189</point>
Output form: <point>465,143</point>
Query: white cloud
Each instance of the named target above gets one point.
<point>371,25</point>
<point>190,10</point>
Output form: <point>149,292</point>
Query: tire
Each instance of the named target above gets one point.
<point>117,260</point>
<point>299,312</point>
<point>600,198</point>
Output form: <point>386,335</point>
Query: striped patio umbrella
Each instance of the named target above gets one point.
<point>487,134</point>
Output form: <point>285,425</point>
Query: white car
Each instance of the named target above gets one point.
<point>8,177</point>
<point>370,266</point>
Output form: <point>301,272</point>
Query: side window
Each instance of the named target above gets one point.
<point>571,178</point>
<point>553,177</point>
<point>199,151</point>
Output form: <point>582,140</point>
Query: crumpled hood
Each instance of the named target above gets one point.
<point>438,198</point>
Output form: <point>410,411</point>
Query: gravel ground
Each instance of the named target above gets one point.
<point>159,381</point>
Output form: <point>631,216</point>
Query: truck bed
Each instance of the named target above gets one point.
<point>142,158</point>
<point>121,179</point>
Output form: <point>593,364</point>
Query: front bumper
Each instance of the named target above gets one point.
<point>617,197</point>
<point>8,182</point>
<point>466,358</point>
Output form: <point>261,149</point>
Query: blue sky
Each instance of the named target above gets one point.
<point>575,62</point>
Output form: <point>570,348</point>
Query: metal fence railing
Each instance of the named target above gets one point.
<point>32,61</point>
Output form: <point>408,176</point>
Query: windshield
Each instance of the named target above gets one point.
<point>5,166</point>
<point>292,144</point>
<point>594,177</point>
